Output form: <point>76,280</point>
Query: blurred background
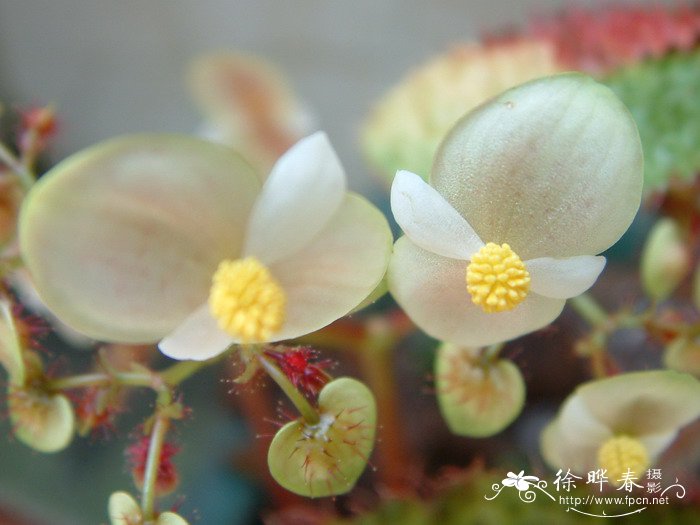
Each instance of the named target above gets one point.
<point>118,67</point>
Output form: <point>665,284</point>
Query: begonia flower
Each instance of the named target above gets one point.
<point>159,237</point>
<point>619,423</point>
<point>524,192</point>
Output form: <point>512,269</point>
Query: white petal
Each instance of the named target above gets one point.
<point>551,445</point>
<point>656,444</point>
<point>198,338</point>
<point>564,278</point>
<point>432,290</point>
<point>572,440</point>
<point>640,403</point>
<point>552,167</point>
<point>249,105</point>
<point>304,190</point>
<point>429,220</point>
<point>122,238</point>
<point>337,271</point>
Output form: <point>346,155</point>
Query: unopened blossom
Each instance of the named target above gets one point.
<point>619,423</point>
<point>248,104</point>
<point>124,510</point>
<point>41,418</point>
<point>524,192</point>
<point>160,237</point>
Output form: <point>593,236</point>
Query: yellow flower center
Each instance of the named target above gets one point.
<point>247,300</point>
<point>497,279</point>
<point>620,453</point>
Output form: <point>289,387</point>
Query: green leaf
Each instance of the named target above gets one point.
<point>661,94</point>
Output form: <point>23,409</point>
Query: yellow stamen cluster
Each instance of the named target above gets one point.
<point>497,279</point>
<point>620,453</point>
<point>247,300</point>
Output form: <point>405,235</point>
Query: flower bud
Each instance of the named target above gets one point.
<point>478,396</point>
<point>665,260</point>
<point>326,458</point>
<point>38,127</point>
<point>683,355</point>
<point>124,510</point>
<point>41,420</point>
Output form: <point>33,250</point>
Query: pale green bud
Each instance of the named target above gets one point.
<point>327,458</point>
<point>478,396</point>
<point>124,510</point>
<point>683,355</point>
<point>665,260</point>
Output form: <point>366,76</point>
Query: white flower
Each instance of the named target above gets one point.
<point>123,240</point>
<point>524,192</point>
<point>621,422</point>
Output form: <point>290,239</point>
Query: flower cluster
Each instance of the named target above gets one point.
<point>181,242</point>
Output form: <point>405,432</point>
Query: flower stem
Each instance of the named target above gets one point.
<point>308,412</point>
<point>589,309</point>
<point>171,376</point>
<point>490,353</point>
<point>158,433</point>
<point>376,357</point>
<point>80,381</point>
<point>26,177</point>
<point>178,372</point>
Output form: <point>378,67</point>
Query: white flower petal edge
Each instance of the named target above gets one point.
<point>432,291</point>
<point>304,190</point>
<point>580,435</point>
<point>198,338</point>
<point>650,402</point>
<point>564,278</point>
<point>651,406</point>
<point>656,444</point>
<point>337,270</point>
<point>429,220</point>
<point>122,238</point>
<point>553,167</point>
<point>558,452</point>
